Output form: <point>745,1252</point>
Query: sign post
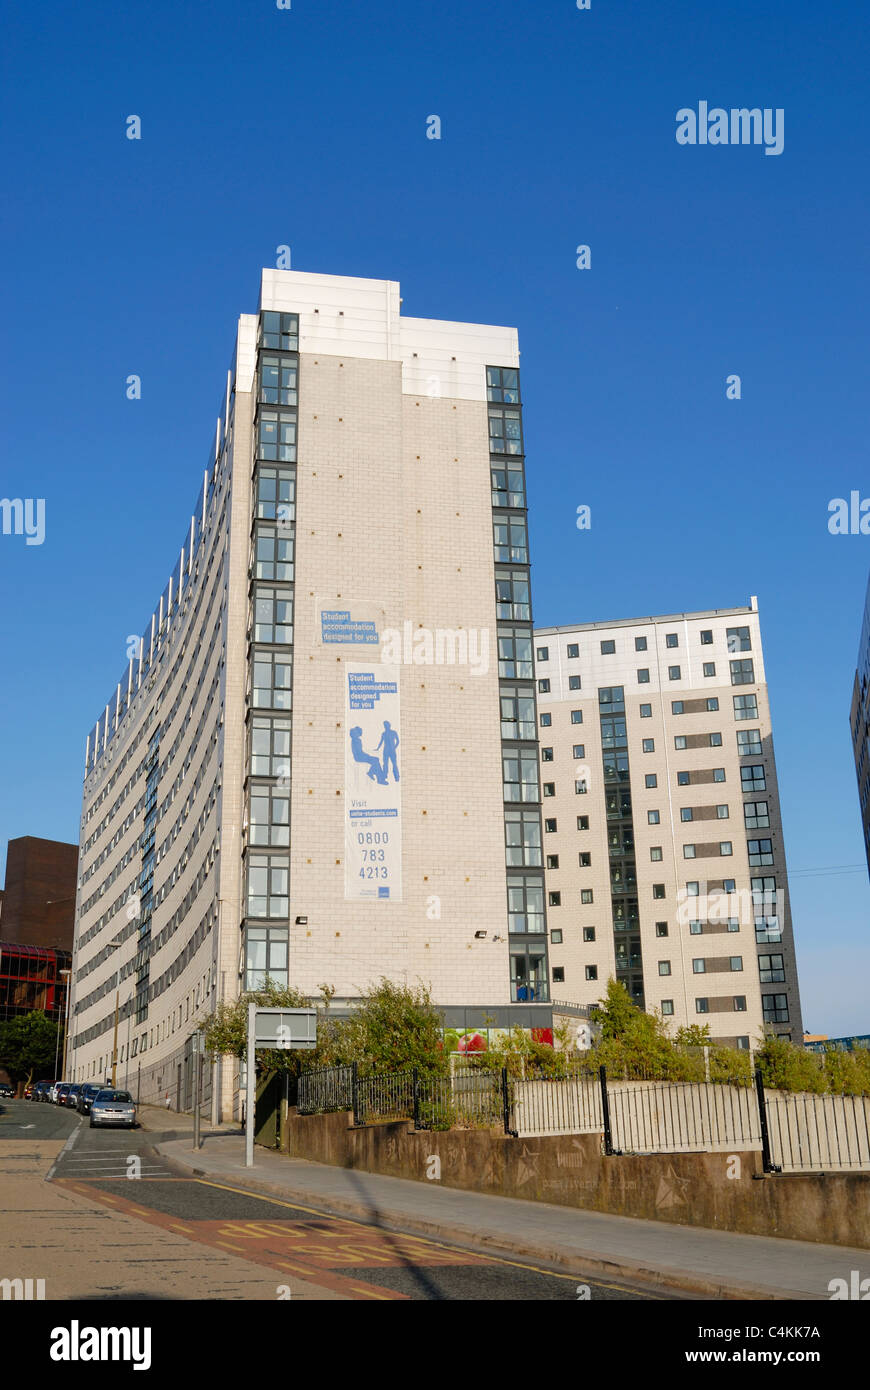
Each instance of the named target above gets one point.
<point>290,1029</point>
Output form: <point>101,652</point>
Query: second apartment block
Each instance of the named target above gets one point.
<point>663,844</point>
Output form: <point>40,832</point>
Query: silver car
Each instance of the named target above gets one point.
<point>111,1107</point>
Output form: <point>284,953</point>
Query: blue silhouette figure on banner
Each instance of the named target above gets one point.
<point>375,772</point>
<point>389,742</point>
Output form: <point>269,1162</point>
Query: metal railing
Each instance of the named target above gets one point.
<point>326,1089</point>
<point>812,1131</point>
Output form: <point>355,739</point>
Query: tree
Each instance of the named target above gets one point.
<point>28,1044</point>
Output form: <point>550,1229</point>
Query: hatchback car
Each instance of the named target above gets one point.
<point>111,1107</point>
<point>86,1096</point>
<point>41,1090</point>
<point>60,1093</point>
<point>72,1095</point>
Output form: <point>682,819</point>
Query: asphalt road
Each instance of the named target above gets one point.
<point>350,1258</point>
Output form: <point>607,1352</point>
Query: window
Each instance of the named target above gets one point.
<point>715,740</point>
<point>693,889</point>
<point>543,654</point>
<point>718,774</point>
<point>549,789</point>
<point>544,687</point>
<point>265,956</point>
<point>556,936</point>
<point>546,721</point>
<point>273,553</point>
<point>578,750</point>
<point>687,813</point>
<point>576,716</point>
<point>771,969</point>
<point>269,816</point>
<point>546,755</point>
<point>529,975</point>
<point>503,384</point>
<point>709,668</point>
<point>767,931</point>
<point>667,1007</point>
<point>608,648</point>
<point>271,681</point>
<point>277,381</point>
<point>655,853</point>
<point>742,672</point>
<point>652,817</point>
<point>650,780</point>
<point>272,616</point>
<point>522,830</point>
<point>649,745</point>
<point>722,813</point>
<point>586,896</point>
<point>646,711</point>
<point>281,331</point>
<point>552,861</point>
<point>725,847</point>
<point>582,822</point>
<point>512,597</point>
<point>592,972</point>
<point>269,747</point>
<point>508,485</point>
<point>643,676</point>
<point>728,885</point>
<point>550,826</point>
<point>695,928</point>
<point>673,673</point>
<point>740,1003</point>
<point>554,899</point>
<point>573,682</point>
<point>267,886</point>
<point>774,1008</point>
<point>683,779</point>
<point>511,542</point>
<point>748,742</point>
<point>702,1006</point>
<point>733,924</point>
<point>505,431</point>
<point>661,928</point>
<point>676,707</point>
<point>760,853</point>
<point>588,933</point>
<point>658,890</point>
<point>581,786</point>
<point>680,742</point>
<point>514,654</point>
<point>664,967</point>
<point>752,779</point>
<point>573,651</point>
<point>735,962</point>
<point>688,851</point>
<point>671,639</point>
<point>640,644</point>
<point>745,707</point>
<point>738,639</point>
<point>276,494</point>
<point>518,712</point>
<point>584,859</point>
<point>712,704</point>
<point>558,974</point>
<point>276,436</point>
<point>525,903</point>
<point>520,776</point>
<point>706,637</point>
<point>756,815</point>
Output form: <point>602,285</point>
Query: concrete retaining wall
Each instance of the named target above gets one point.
<point>717,1190</point>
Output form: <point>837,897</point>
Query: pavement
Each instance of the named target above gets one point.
<point>691,1260</point>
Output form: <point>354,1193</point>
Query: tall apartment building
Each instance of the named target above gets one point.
<point>663,844</point>
<point>320,764</point>
<point>859,721</point>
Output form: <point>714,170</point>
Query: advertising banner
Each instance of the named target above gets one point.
<point>372,788</point>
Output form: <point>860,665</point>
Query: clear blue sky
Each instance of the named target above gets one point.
<point>307,127</point>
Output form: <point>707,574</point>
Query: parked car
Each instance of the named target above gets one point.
<point>111,1107</point>
<point>72,1095</point>
<point>7,1092</point>
<point>60,1092</point>
<point>86,1096</point>
<point>52,1092</point>
<point>28,1091</point>
<point>42,1090</point>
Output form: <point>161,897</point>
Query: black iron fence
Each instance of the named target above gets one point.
<point>794,1132</point>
